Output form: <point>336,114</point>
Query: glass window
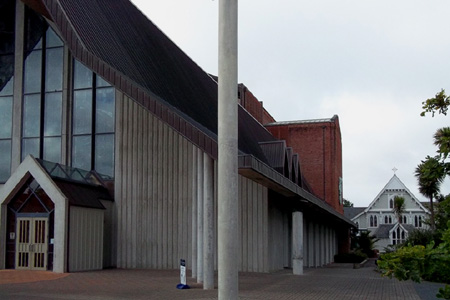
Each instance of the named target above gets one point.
<point>54,69</point>
<point>82,112</point>
<point>7,49</point>
<point>5,159</point>
<point>5,117</point>
<point>101,82</point>
<point>104,121</point>
<point>82,77</point>
<point>81,152</point>
<point>42,104</point>
<point>31,115</point>
<point>30,146</point>
<point>93,122</point>
<point>53,39</point>
<point>52,114</point>
<point>104,156</point>
<point>6,82</point>
<point>32,73</point>
<point>52,149</point>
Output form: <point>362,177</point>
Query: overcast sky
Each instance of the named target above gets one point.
<point>372,63</point>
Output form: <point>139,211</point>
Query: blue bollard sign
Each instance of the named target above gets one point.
<point>183,271</point>
<point>182,285</point>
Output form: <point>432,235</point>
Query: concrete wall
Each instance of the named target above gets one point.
<point>109,260</point>
<point>153,190</point>
<point>85,239</point>
<point>156,189</point>
<point>253,224</point>
<point>279,236</point>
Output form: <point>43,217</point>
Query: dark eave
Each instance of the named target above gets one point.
<point>39,7</point>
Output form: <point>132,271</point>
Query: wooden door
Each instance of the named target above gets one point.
<point>31,243</point>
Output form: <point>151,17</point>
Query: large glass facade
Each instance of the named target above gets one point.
<point>93,121</point>
<point>7,36</point>
<point>42,91</point>
<point>90,127</point>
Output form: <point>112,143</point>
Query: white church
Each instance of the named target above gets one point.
<point>379,217</point>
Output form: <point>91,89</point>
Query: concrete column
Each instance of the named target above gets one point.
<point>18,83</point>
<point>328,246</point>
<point>305,244</point>
<point>199,216</point>
<point>194,213</point>
<point>311,248</point>
<point>66,149</point>
<point>297,243</point>
<point>317,245</point>
<point>208,222</point>
<point>322,245</point>
<point>330,243</point>
<point>3,226</point>
<point>228,243</point>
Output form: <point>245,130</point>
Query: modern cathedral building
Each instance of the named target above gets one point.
<point>108,133</point>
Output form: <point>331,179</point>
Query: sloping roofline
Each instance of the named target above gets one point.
<point>73,18</point>
<point>384,189</point>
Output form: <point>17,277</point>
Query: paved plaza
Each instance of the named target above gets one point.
<point>337,281</point>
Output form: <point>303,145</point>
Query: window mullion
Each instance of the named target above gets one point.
<point>42,111</point>
<point>94,120</point>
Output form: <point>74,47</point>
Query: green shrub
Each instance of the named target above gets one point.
<point>419,262</point>
<point>352,257</point>
<point>423,237</point>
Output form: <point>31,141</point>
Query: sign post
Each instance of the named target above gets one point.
<point>182,285</point>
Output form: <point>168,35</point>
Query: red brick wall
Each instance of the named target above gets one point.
<point>319,147</point>
<point>253,105</point>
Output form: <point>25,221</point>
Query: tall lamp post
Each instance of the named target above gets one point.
<point>228,153</point>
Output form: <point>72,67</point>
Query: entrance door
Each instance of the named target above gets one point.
<point>31,243</point>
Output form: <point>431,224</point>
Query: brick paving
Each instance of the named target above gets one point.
<point>337,281</point>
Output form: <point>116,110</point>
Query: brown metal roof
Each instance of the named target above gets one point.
<point>119,43</point>
<point>83,194</point>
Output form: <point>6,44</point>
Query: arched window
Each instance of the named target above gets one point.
<point>391,203</point>
<point>371,221</point>
<point>404,220</point>
<point>398,236</point>
<point>375,221</point>
<point>390,219</point>
<point>416,221</point>
<point>420,221</point>
<point>386,220</point>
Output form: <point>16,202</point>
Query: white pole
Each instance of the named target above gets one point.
<point>228,150</point>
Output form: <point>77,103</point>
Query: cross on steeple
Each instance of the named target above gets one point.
<point>395,170</point>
